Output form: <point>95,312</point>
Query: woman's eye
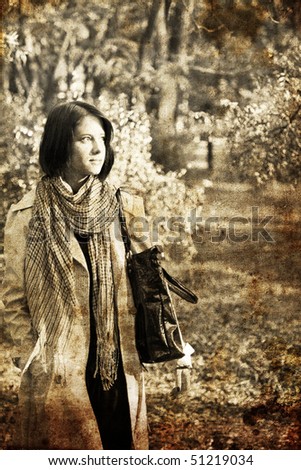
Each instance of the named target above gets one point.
<point>86,138</point>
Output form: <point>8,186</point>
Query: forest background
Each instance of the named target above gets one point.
<point>205,97</point>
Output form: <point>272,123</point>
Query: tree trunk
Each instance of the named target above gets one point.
<point>145,43</point>
<point>187,12</point>
<point>162,32</point>
<point>164,46</point>
<point>156,38</point>
<point>296,16</point>
<point>168,99</point>
<point>180,24</point>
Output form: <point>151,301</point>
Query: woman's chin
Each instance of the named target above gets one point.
<point>95,170</point>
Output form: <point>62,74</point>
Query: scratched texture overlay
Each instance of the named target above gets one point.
<point>205,97</point>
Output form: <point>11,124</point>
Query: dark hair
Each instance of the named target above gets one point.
<point>56,143</point>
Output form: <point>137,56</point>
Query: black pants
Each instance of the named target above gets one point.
<point>111,408</point>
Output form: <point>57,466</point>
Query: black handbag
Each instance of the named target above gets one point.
<point>158,335</point>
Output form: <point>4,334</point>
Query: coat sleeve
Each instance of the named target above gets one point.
<point>17,321</point>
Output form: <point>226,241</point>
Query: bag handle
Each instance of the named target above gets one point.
<point>174,284</point>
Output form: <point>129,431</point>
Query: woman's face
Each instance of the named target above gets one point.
<point>88,149</point>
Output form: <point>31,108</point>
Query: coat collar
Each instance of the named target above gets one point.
<point>26,202</point>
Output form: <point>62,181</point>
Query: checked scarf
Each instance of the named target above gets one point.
<point>49,272</point>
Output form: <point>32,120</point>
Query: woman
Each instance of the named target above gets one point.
<point>69,309</point>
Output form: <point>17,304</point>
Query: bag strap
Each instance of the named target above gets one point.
<point>174,284</point>
<point>178,288</point>
<point>124,231</point>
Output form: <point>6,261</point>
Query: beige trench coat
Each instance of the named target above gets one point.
<point>54,407</point>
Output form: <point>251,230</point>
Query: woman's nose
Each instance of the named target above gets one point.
<point>97,146</point>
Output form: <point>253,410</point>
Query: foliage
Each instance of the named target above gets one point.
<point>76,49</point>
<point>22,128</point>
<point>209,51</point>
<point>265,135</point>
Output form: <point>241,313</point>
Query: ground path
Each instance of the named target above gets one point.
<point>246,329</point>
